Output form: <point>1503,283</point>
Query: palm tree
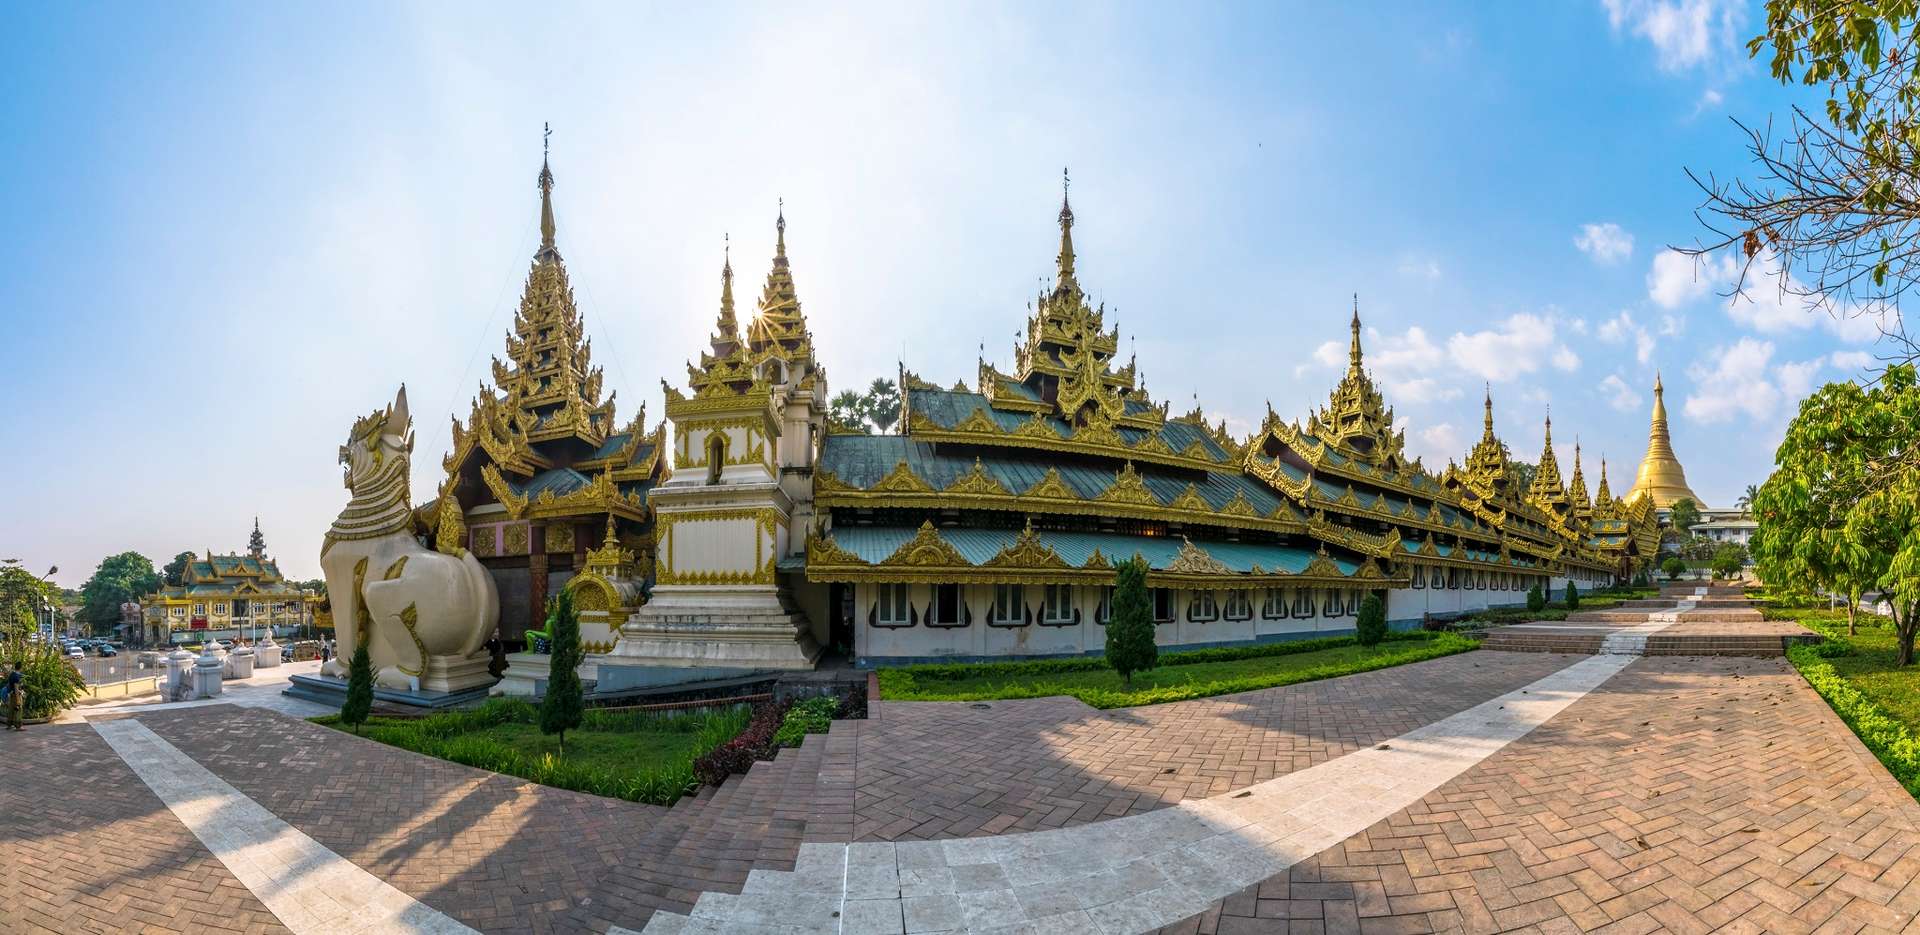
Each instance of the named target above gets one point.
<point>1745,503</point>
<point>883,404</point>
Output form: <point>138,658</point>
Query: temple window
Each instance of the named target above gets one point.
<point>1103,613</point>
<point>1274,605</point>
<point>894,610</point>
<point>1419,579</point>
<point>1332,606</point>
<point>716,456</point>
<point>219,608</point>
<point>1453,579</point>
<point>1058,605</point>
<point>1238,606</point>
<point>1201,607</point>
<point>1303,602</point>
<point>1009,608</point>
<point>1162,605</point>
<point>946,606</point>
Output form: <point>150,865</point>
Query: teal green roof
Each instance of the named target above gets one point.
<point>948,408</point>
<point>876,543</point>
<point>862,460</point>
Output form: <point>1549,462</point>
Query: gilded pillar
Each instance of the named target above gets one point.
<point>537,577</point>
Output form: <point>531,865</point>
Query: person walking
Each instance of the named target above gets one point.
<point>14,696</point>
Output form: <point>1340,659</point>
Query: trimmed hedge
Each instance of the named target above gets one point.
<point>759,741</point>
<point>922,682</point>
<point>1889,739</point>
<point>812,716</point>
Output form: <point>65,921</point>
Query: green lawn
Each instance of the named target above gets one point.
<point>1870,666</point>
<point>641,757</point>
<point>1180,676</point>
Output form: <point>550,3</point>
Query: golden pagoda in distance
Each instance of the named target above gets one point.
<point>1661,476</point>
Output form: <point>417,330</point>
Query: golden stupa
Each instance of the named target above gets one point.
<point>1661,476</point>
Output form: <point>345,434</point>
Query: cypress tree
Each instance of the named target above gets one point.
<point>359,688</point>
<point>1371,626</point>
<point>1130,645</point>
<point>563,705</point>
<point>1573,597</point>
<point>1536,598</point>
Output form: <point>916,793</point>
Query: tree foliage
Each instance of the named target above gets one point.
<point>876,409</point>
<point>1673,567</point>
<point>1841,512</point>
<point>1832,219</point>
<point>1728,559</point>
<point>175,574</point>
<point>564,704</point>
<point>128,576</point>
<point>1684,515</point>
<point>21,594</point>
<point>1130,644</point>
<point>51,682</point>
<point>359,701</point>
<point>1573,596</point>
<point>1536,598</point>
<point>1370,626</point>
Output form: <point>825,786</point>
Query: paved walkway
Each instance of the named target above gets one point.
<point>1636,798</point>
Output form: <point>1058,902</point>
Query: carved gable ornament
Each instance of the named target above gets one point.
<point>902,480</point>
<point>926,548</point>
<point>1128,487</point>
<point>976,481</point>
<point>1194,560</point>
<point>1027,551</point>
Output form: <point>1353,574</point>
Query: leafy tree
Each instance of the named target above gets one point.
<point>1520,475</point>
<point>1370,627</point>
<point>1684,515</point>
<point>849,409</point>
<point>1130,645</point>
<point>1674,567</point>
<point>21,595</point>
<point>1536,598</point>
<point>883,404</point>
<point>1729,559</point>
<point>1842,509</point>
<point>359,688</point>
<point>1833,219</point>
<point>563,706</point>
<point>51,682</point>
<point>175,574</point>
<point>1573,596</point>
<point>1745,502</point>
<point>128,576</point>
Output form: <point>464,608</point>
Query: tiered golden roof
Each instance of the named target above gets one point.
<point>1580,504</point>
<point>777,348</point>
<point>1661,477</point>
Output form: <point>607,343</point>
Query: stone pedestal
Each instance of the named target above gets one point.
<point>240,663</point>
<point>751,628</point>
<point>179,675</point>
<point>527,674</point>
<point>207,673</point>
<point>453,674</point>
<point>266,653</point>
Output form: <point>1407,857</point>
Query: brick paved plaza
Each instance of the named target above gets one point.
<point>1682,793</point>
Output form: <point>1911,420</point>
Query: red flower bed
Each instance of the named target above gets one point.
<point>738,755</point>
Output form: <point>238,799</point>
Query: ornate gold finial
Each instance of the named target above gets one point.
<point>1066,233</point>
<point>1489,414</point>
<point>1353,353</point>
<point>547,249</point>
<point>729,326</point>
<point>780,232</point>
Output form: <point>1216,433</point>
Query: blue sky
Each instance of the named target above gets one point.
<point>239,227</point>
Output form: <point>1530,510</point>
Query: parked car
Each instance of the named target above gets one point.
<point>107,649</point>
<point>76,653</point>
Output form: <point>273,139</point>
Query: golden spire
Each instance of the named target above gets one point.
<point>1602,495</point>
<point>1577,486</point>
<point>728,330</point>
<point>780,235</point>
<point>1353,352</point>
<point>1066,234</point>
<point>779,320</point>
<point>1487,431</point>
<point>547,249</point>
<point>1661,477</point>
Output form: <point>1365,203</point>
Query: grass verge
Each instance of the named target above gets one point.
<point>1179,676</point>
<point>632,755</point>
<point>1860,681</point>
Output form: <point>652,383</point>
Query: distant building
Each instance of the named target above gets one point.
<point>1726,526</point>
<point>227,597</point>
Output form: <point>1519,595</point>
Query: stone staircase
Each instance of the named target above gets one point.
<point>1693,620</point>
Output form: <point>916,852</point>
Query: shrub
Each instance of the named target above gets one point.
<point>51,682</point>
<point>1370,627</point>
<point>561,707</point>
<point>756,742</point>
<point>1130,646</point>
<point>812,716</point>
<point>353,712</point>
<point>1889,740</point>
<point>1573,596</point>
<point>1674,567</point>
<point>1536,598</point>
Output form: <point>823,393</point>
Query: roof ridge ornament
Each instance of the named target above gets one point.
<point>547,249</point>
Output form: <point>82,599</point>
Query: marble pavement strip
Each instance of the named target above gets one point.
<point>309,888</point>
<point>1131,874</point>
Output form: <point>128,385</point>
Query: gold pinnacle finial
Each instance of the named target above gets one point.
<point>1353,352</point>
<point>780,231</point>
<point>1489,413</point>
<point>546,198</point>
<point>729,328</point>
<point>1065,258</point>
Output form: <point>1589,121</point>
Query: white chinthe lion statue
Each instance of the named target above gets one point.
<point>422,614</point>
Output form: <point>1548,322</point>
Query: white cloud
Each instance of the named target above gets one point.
<point>1420,390</point>
<point>1851,360</point>
<point>1796,379</point>
<point>1676,279</point>
<point>1565,359</point>
<point>1619,395</point>
<point>1731,381</point>
<point>1775,303</point>
<point>1685,33</point>
<point>1622,328</point>
<point>1515,348</point>
<point>1709,100</point>
<point>1607,243</point>
<point>1437,443</point>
